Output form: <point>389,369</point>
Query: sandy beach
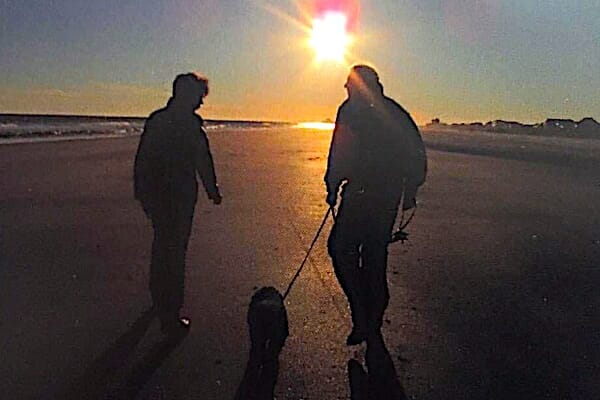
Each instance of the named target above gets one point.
<point>494,296</point>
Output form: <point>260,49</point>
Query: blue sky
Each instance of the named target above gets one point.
<point>457,60</point>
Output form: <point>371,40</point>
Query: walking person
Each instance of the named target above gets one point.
<point>172,152</point>
<point>377,157</point>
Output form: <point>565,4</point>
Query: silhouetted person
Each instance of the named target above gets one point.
<point>376,156</point>
<point>173,149</point>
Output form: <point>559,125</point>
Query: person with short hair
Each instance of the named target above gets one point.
<point>377,157</point>
<point>173,150</point>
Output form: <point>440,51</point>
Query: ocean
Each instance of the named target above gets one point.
<point>20,128</point>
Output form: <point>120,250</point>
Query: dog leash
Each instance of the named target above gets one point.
<point>400,234</point>
<point>329,210</point>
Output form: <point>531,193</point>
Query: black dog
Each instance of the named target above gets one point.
<point>268,325</point>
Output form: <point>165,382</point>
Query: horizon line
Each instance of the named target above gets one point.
<point>17,114</point>
<point>328,120</point>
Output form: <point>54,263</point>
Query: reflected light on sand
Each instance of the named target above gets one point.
<point>322,126</point>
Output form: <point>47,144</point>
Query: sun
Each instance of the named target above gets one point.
<point>329,36</point>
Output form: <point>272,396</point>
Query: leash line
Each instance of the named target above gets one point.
<point>307,254</point>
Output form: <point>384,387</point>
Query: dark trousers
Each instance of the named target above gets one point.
<point>358,248</point>
<point>172,227</point>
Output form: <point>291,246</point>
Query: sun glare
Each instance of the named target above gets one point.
<point>329,36</point>
<point>320,126</point>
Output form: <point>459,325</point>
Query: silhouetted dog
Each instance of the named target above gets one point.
<point>268,325</point>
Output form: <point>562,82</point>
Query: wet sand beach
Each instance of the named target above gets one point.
<point>493,297</point>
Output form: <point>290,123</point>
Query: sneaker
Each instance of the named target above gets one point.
<point>356,337</point>
<point>180,325</point>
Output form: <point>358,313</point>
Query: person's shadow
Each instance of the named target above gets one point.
<point>381,381</point>
<point>97,381</point>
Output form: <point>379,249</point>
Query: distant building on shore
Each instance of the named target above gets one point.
<point>560,124</point>
<point>587,127</point>
<point>507,126</point>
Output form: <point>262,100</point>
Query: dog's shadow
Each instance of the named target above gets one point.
<point>268,326</point>
<point>379,381</point>
<point>98,380</point>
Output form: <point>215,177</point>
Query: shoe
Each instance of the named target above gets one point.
<point>185,322</point>
<point>356,337</point>
<point>180,325</point>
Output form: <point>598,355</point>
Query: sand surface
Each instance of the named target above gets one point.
<point>495,296</point>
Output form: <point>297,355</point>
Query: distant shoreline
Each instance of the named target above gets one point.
<point>31,126</point>
<point>4,116</point>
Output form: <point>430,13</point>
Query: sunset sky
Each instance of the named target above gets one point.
<point>458,60</point>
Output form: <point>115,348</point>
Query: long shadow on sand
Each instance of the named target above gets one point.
<point>518,154</point>
<point>141,373</point>
<point>529,337</point>
<point>97,381</point>
<point>381,381</point>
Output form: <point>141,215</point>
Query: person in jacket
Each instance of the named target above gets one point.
<point>377,158</point>
<point>173,151</point>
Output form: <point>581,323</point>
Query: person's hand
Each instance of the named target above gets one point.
<point>331,199</point>
<point>216,198</point>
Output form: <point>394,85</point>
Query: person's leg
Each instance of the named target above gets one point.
<point>180,229</point>
<point>377,293</point>
<point>344,249</point>
<point>375,255</point>
<point>159,264</point>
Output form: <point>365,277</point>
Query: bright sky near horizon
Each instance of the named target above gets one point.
<point>458,60</point>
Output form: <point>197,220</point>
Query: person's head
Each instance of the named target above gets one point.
<point>190,89</point>
<point>363,81</point>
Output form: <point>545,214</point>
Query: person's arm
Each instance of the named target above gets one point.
<point>138,168</point>
<point>340,158</point>
<point>418,156</point>
<point>142,169</point>
<point>206,169</point>
<point>414,158</point>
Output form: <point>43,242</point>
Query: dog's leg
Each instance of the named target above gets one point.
<point>249,387</point>
<point>269,374</point>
